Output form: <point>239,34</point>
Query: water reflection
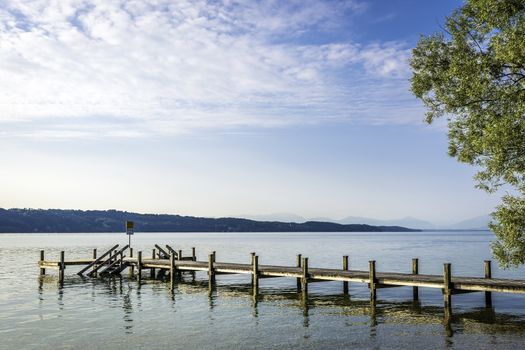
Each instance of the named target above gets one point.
<point>378,313</point>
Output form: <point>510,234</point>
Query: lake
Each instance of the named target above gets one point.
<point>115,313</point>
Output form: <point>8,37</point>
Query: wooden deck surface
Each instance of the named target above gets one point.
<point>458,283</point>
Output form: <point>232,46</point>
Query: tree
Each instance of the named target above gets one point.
<point>473,74</point>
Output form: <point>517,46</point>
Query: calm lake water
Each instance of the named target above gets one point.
<point>116,313</point>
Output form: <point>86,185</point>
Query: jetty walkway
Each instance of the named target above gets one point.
<point>170,261</point>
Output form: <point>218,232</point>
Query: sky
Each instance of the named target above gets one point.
<point>224,108</point>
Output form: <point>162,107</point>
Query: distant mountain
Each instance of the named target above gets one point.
<point>57,220</point>
<point>477,223</point>
<point>284,217</point>
<point>406,222</point>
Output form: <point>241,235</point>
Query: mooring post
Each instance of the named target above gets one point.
<point>214,255</point>
<point>62,267</point>
<point>447,292</point>
<point>415,271</point>
<point>372,278</point>
<point>139,266</point>
<point>42,270</point>
<point>152,270</point>
<point>345,267</point>
<point>193,256</point>
<point>304,279</point>
<point>298,278</point>
<point>94,253</point>
<point>488,274</point>
<point>255,272</point>
<point>211,271</point>
<point>179,254</point>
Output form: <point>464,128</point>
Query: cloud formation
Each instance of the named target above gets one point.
<point>89,68</point>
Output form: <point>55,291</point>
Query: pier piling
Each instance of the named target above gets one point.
<point>372,279</point>
<point>304,279</point>
<point>42,270</point>
<point>172,268</point>
<point>131,270</point>
<point>152,270</point>
<point>255,271</point>
<point>345,268</point>
<point>139,265</point>
<point>415,271</point>
<point>211,271</point>
<point>488,274</point>
<point>61,268</point>
<point>447,281</point>
<point>298,278</point>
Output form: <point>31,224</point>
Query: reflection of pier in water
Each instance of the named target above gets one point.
<point>170,264</point>
<point>382,312</point>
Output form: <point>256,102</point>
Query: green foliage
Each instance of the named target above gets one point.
<point>474,75</point>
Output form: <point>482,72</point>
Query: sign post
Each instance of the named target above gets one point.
<point>129,231</point>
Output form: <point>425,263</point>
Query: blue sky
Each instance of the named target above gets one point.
<point>224,108</point>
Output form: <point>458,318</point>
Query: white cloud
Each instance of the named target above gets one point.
<point>82,68</point>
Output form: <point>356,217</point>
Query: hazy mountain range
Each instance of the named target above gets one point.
<point>476,223</point>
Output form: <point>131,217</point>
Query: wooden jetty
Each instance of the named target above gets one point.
<point>170,261</point>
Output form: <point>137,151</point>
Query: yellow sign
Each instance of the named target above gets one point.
<point>129,227</point>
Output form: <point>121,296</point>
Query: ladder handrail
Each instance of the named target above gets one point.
<point>173,251</point>
<point>96,261</point>
<point>162,250</point>
<point>95,269</point>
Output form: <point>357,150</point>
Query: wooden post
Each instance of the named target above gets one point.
<point>131,267</point>
<point>211,271</point>
<point>42,270</point>
<point>152,270</point>
<point>304,279</point>
<point>214,256</point>
<point>372,278</point>
<point>95,254</point>
<point>447,292</point>
<point>298,279</point>
<point>62,267</point>
<point>488,274</point>
<point>193,256</point>
<point>179,255</point>
<point>345,267</point>
<point>415,271</point>
<point>172,268</point>
<point>255,271</point>
<point>139,266</point>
